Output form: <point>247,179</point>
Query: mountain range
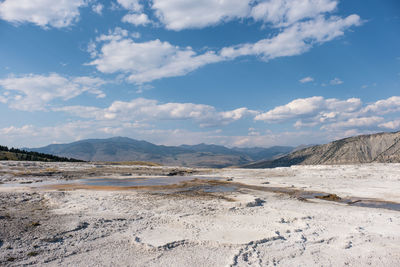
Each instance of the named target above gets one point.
<point>380,147</point>
<point>127,149</point>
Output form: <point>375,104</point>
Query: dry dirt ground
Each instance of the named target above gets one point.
<point>299,216</point>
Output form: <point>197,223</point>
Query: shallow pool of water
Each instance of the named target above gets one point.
<point>115,182</point>
<point>142,181</point>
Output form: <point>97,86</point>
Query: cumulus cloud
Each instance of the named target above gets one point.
<point>142,109</point>
<point>384,106</point>
<point>296,39</point>
<point>286,12</point>
<point>44,13</point>
<point>136,19</point>
<point>136,16</point>
<point>327,113</point>
<point>138,118</point>
<point>113,35</point>
<point>392,125</point>
<point>334,114</point>
<point>188,14</point>
<point>183,14</point>
<point>358,123</point>
<point>147,61</point>
<point>296,108</point>
<point>33,92</point>
<point>306,79</point>
<point>315,107</point>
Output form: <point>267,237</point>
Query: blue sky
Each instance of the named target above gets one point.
<point>235,73</point>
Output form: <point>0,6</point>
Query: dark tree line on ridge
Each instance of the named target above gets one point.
<point>18,154</point>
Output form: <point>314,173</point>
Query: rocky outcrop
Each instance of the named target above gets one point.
<point>380,147</point>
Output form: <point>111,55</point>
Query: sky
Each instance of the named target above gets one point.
<point>236,73</point>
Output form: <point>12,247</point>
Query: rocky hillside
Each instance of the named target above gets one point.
<point>127,149</point>
<point>380,147</point>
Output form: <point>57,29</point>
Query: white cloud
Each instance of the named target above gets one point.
<point>113,35</point>
<point>98,8</point>
<point>136,19</point>
<point>136,16</point>
<point>336,81</point>
<point>286,12</point>
<point>141,109</point>
<point>330,114</point>
<point>354,123</point>
<point>306,79</point>
<point>33,92</point>
<point>294,109</point>
<point>139,119</point>
<point>148,61</point>
<point>316,107</point>
<point>132,5</point>
<point>334,114</point>
<point>385,106</point>
<point>184,14</point>
<point>12,130</point>
<point>296,39</point>
<point>43,13</point>
<point>393,125</point>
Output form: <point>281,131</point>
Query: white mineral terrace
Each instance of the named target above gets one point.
<point>238,218</point>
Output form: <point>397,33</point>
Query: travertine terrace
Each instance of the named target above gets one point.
<point>49,216</point>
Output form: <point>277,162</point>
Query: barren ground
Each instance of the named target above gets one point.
<point>245,218</point>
